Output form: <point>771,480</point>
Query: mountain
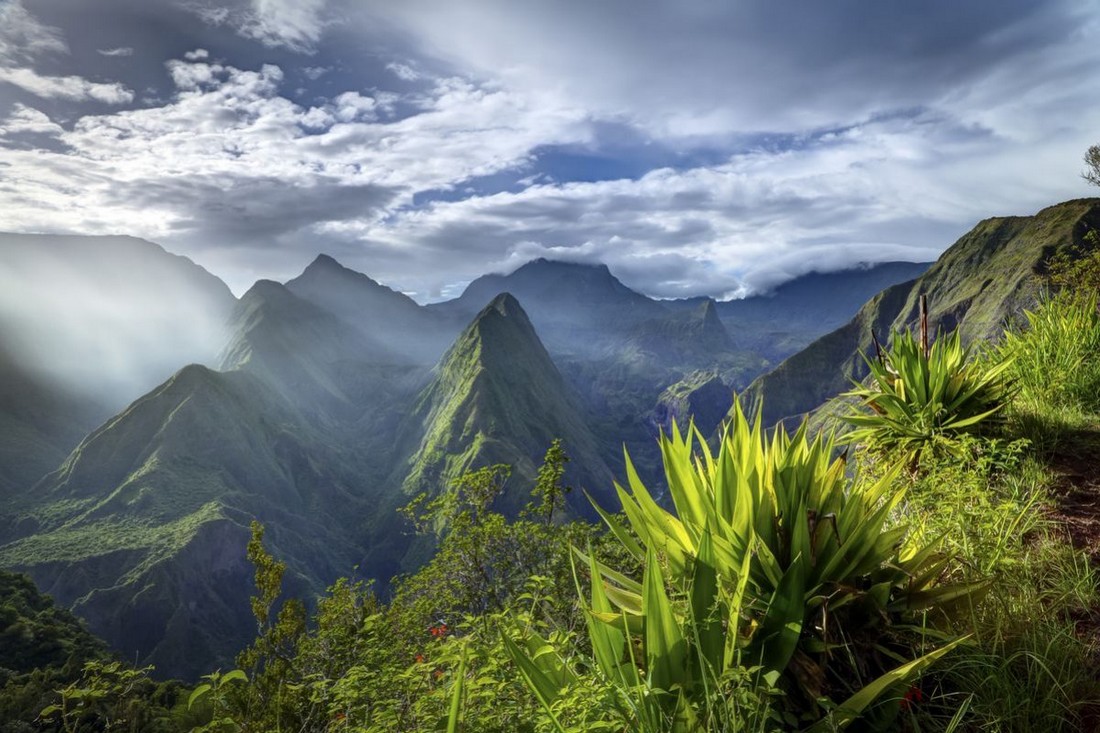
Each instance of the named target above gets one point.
<point>981,282</point>
<point>40,422</point>
<point>684,337</point>
<point>106,317</point>
<point>142,529</point>
<point>326,414</point>
<point>776,325</point>
<point>304,352</point>
<point>701,397</point>
<point>86,325</point>
<point>497,397</point>
<point>576,308</point>
<point>381,314</point>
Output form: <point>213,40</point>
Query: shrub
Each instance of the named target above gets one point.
<point>920,398</point>
<point>774,569</point>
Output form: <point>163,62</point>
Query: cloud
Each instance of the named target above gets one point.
<point>75,88</point>
<point>25,119</point>
<point>23,37</point>
<point>114,52</point>
<point>699,68</point>
<point>296,25</point>
<point>694,147</point>
<point>404,72</point>
<point>230,164</point>
<point>900,188</point>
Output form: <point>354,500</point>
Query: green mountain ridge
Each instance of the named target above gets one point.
<point>987,278</point>
<point>141,530</point>
<point>321,423</point>
<point>382,314</point>
<point>497,397</point>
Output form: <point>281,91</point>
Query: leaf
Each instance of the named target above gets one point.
<point>851,708</point>
<point>198,693</point>
<point>544,688</point>
<point>453,718</point>
<point>235,674</point>
<point>665,648</point>
<point>782,626</point>
<point>704,602</point>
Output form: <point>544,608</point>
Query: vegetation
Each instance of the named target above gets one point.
<point>924,396</point>
<point>1092,165</point>
<point>921,579</point>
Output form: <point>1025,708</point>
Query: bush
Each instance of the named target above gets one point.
<point>775,569</point>
<point>921,398</point>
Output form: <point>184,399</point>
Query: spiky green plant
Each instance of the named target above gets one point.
<point>769,556</point>
<point>921,396</point>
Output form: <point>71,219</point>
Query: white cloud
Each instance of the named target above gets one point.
<point>23,37</point>
<point>76,88</point>
<point>229,162</point>
<point>114,52</point>
<point>700,68</point>
<point>198,54</point>
<point>404,72</point>
<point>919,143</point>
<point>893,189</point>
<point>25,119</point>
<point>293,24</point>
<point>296,24</point>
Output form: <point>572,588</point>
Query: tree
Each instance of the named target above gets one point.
<point>1092,163</point>
<point>269,661</point>
<point>548,486</point>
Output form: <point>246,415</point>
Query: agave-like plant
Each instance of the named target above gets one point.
<point>769,548</point>
<point>919,395</point>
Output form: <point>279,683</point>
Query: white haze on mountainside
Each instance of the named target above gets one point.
<point>109,318</point>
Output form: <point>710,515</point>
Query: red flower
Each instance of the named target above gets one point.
<point>419,658</point>
<point>912,697</point>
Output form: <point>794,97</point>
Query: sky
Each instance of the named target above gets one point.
<point>696,147</point>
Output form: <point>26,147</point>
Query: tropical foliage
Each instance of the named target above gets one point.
<point>921,394</point>
<point>772,560</point>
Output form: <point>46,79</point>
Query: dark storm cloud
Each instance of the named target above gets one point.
<point>707,67</point>
<point>244,212</point>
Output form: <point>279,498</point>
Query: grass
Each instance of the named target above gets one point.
<point>1054,357</point>
<point>994,502</point>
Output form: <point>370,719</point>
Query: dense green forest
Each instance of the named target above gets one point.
<point>918,556</point>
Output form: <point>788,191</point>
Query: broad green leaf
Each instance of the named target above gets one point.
<point>851,708</point>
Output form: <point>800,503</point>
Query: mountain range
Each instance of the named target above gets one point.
<point>320,406</point>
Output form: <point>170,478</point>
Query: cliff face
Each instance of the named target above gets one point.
<point>987,278</point>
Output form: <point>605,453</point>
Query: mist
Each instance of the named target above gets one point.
<point>108,318</point>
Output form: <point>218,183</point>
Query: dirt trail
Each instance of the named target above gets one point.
<point>1077,463</point>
